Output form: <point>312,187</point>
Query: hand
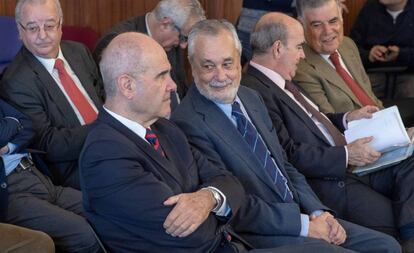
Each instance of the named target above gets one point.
<point>362,113</point>
<point>319,228</point>
<point>392,54</point>
<point>360,154</point>
<point>337,234</point>
<point>190,211</point>
<point>343,6</point>
<point>4,150</point>
<point>377,53</point>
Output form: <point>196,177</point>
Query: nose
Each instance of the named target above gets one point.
<point>301,54</point>
<point>220,74</point>
<point>171,86</point>
<point>42,33</point>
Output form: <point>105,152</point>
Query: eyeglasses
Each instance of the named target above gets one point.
<point>181,37</point>
<point>35,28</point>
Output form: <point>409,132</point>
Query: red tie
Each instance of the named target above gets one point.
<point>153,140</point>
<point>354,86</point>
<point>78,99</point>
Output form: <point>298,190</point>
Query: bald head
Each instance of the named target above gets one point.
<point>126,54</point>
<point>272,27</point>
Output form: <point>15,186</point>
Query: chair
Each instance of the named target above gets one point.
<point>84,35</point>
<point>10,43</point>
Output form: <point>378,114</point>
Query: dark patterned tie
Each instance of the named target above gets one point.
<point>359,93</point>
<point>153,140</point>
<point>337,137</point>
<point>258,147</point>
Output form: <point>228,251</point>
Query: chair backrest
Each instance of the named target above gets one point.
<point>10,43</point>
<point>85,35</point>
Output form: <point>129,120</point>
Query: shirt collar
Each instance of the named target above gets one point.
<point>146,25</point>
<point>272,75</point>
<point>131,125</point>
<point>49,63</point>
<point>226,108</point>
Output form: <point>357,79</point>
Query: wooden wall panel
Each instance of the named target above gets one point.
<point>101,15</point>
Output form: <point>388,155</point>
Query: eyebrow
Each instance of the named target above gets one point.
<point>163,73</point>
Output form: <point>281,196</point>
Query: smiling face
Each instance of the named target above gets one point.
<point>324,28</point>
<point>216,67</point>
<point>44,43</point>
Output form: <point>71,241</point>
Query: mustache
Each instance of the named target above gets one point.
<point>218,84</point>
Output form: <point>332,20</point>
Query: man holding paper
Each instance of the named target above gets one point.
<point>314,144</point>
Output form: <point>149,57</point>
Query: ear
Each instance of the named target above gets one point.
<point>126,86</point>
<point>277,48</point>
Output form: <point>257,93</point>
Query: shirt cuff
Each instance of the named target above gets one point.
<point>346,157</point>
<point>344,121</point>
<point>304,220</point>
<point>11,147</point>
<point>224,209</point>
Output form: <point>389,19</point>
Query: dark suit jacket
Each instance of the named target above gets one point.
<point>209,129</point>
<point>307,148</point>
<point>17,132</point>
<point>125,181</point>
<point>137,24</point>
<point>31,89</point>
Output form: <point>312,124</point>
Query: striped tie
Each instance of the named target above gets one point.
<point>153,140</point>
<point>258,147</point>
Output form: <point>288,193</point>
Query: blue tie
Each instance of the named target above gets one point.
<point>257,145</point>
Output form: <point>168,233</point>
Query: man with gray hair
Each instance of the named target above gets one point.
<point>169,24</point>
<point>230,125</point>
<point>313,141</point>
<point>57,84</point>
<point>332,73</point>
<point>168,197</point>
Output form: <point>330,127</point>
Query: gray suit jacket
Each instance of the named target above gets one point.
<point>31,89</point>
<point>326,87</point>
<point>209,130</point>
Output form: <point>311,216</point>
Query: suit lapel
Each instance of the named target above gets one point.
<point>288,101</point>
<point>145,147</point>
<point>55,94</point>
<point>218,122</point>
<point>85,77</point>
<point>326,70</point>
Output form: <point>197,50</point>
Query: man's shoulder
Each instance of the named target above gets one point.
<point>134,24</point>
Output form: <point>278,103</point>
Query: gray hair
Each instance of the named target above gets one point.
<point>211,27</point>
<point>179,11</point>
<point>119,59</point>
<point>21,3</point>
<point>303,5</point>
<point>263,37</point>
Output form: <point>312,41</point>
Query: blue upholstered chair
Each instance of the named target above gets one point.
<point>10,43</point>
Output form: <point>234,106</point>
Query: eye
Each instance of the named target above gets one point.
<point>316,25</point>
<point>208,67</point>
<point>49,27</point>
<point>33,29</point>
<point>228,65</point>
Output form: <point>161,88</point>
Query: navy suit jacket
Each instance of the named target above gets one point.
<point>32,90</point>
<point>125,182</point>
<point>210,131</point>
<point>307,148</point>
<point>17,132</point>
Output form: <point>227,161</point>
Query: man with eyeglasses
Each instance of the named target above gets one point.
<point>169,24</point>
<point>56,84</point>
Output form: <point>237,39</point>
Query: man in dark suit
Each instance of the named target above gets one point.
<point>169,24</point>
<point>168,197</point>
<point>29,198</point>
<point>315,146</point>
<point>231,127</point>
<point>57,84</point>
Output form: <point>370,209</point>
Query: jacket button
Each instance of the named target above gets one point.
<point>341,184</point>
<point>3,185</point>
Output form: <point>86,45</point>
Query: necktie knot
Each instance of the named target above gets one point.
<point>236,110</point>
<point>153,140</point>
<point>334,57</point>
<point>59,65</point>
<point>291,87</point>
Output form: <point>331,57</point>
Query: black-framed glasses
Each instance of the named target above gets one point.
<point>183,38</point>
<point>49,26</point>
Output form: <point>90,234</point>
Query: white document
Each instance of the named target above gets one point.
<point>385,126</point>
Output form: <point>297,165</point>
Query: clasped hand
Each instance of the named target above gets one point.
<point>327,228</point>
<point>189,212</point>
